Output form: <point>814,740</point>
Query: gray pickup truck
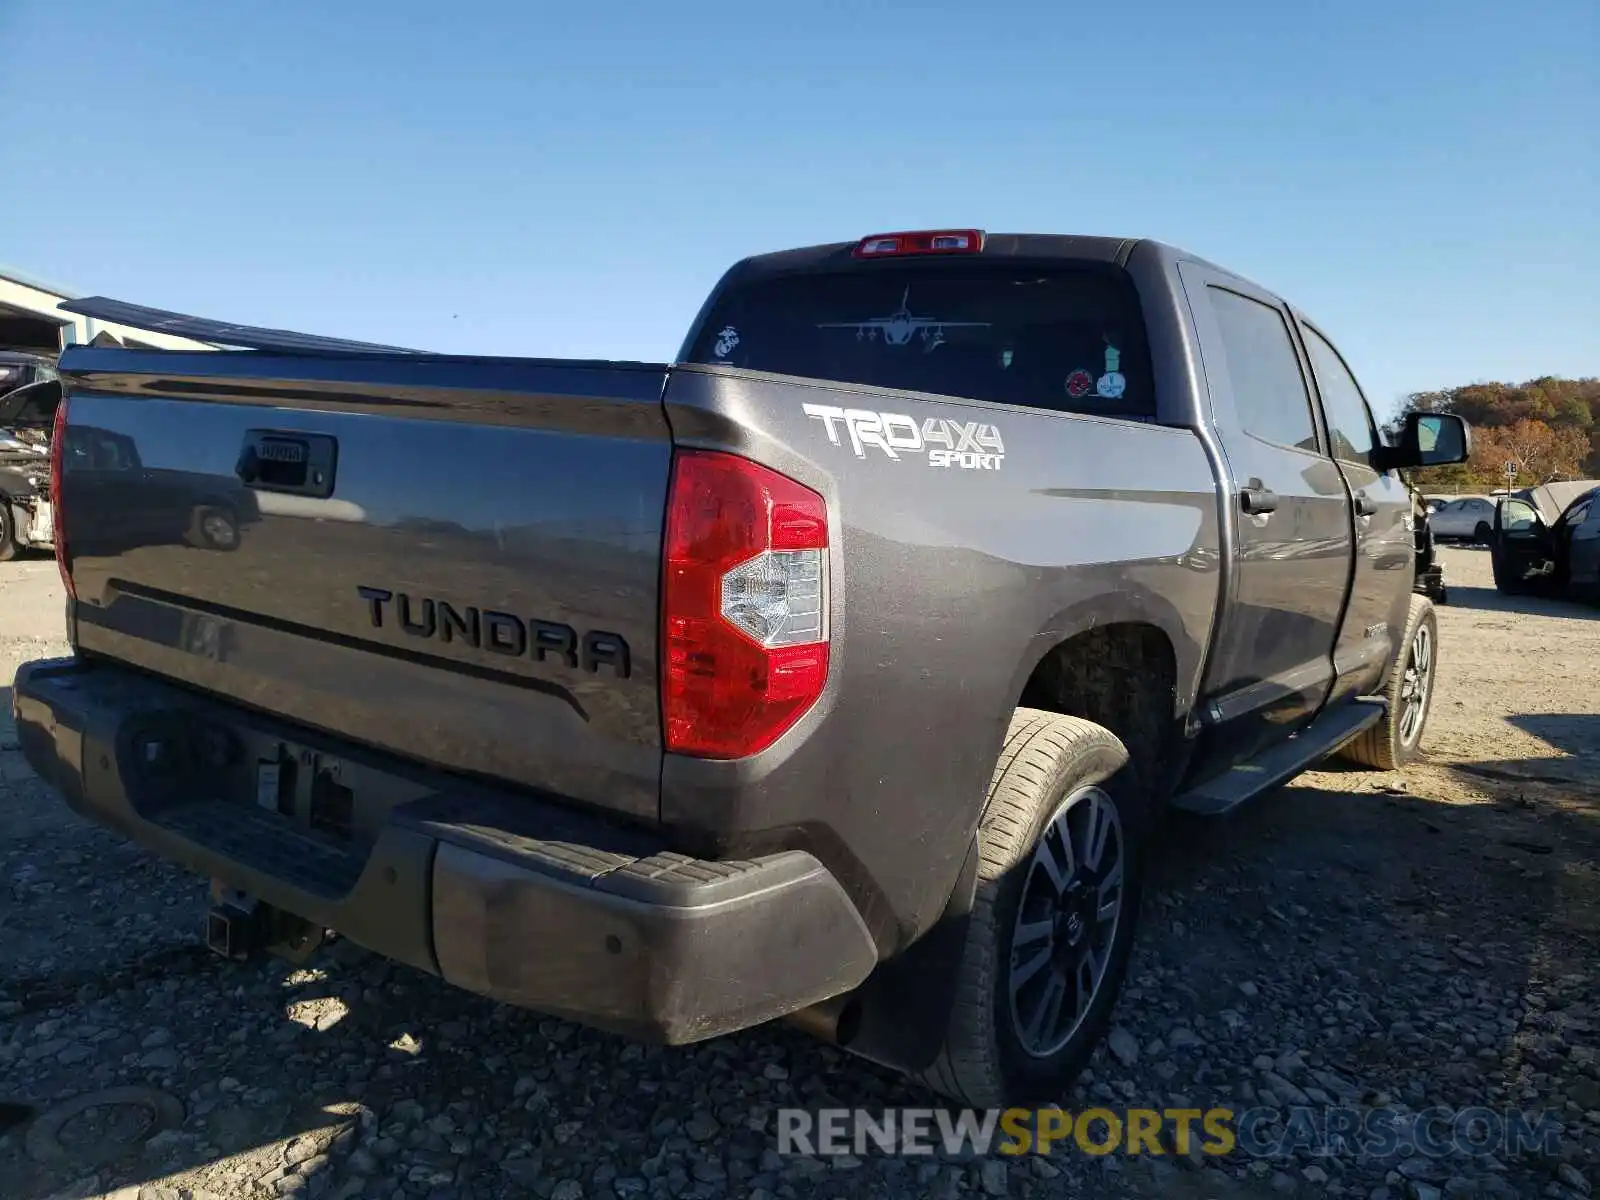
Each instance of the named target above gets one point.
<point>835,672</point>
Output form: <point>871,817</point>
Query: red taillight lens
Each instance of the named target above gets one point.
<point>745,605</point>
<point>58,516</point>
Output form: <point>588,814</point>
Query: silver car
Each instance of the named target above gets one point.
<point>1464,517</point>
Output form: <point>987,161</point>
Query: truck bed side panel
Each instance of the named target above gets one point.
<point>948,586</point>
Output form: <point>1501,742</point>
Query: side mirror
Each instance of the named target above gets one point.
<point>1427,440</point>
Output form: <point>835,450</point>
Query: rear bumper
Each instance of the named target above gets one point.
<point>512,897</point>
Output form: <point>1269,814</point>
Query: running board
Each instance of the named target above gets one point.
<point>1284,761</point>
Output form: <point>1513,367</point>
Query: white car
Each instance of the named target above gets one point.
<point>1469,517</point>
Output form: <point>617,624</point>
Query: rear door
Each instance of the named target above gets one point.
<point>1385,550</point>
<point>1272,667</point>
<point>1583,543</point>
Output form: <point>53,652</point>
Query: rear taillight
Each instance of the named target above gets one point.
<point>58,516</point>
<point>745,605</point>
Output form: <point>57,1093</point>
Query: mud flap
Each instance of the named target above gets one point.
<point>904,1006</point>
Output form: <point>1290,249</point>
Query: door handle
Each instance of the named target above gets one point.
<point>1258,501</point>
<point>1365,507</point>
<point>300,464</point>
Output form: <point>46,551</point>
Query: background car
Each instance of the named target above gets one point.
<point>1547,539</point>
<point>1469,518</point>
<point>18,369</point>
<point>152,506</point>
<point>26,414</point>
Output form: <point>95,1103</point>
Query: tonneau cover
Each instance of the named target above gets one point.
<point>223,333</point>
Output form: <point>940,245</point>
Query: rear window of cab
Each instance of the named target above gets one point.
<point>1063,338</point>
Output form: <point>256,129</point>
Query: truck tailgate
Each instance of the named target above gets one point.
<point>454,559</point>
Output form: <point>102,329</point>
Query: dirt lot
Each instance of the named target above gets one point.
<point>1398,941</point>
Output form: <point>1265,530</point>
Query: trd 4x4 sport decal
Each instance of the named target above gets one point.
<point>967,444</point>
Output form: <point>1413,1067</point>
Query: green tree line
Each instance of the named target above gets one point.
<point>1549,427</point>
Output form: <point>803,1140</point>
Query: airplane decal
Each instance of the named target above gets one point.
<point>899,327</point>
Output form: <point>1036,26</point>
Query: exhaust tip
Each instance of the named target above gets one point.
<point>836,1020</point>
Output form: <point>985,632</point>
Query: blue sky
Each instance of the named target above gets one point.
<point>570,178</point>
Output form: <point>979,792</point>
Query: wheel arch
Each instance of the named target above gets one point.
<point>1124,660</point>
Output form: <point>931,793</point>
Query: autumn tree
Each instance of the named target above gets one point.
<point>1539,452</point>
<point>1548,426</point>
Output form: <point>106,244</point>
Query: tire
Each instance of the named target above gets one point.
<point>1483,534</point>
<point>1055,775</point>
<point>8,532</point>
<point>1396,740</point>
<point>212,528</point>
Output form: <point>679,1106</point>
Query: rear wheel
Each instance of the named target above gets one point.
<point>1483,534</point>
<point>1053,917</point>
<point>1395,740</point>
<point>213,529</point>
<point>8,532</point>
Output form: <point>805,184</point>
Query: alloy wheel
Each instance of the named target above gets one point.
<point>1067,920</point>
<point>1415,684</point>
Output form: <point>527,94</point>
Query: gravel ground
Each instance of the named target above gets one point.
<point>1423,938</point>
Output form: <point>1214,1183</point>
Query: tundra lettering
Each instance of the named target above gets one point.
<point>272,450</point>
<point>500,632</point>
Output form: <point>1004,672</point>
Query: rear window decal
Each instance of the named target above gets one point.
<point>727,340</point>
<point>1079,384</point>
<point>1111,385</point>
<point>900,326</point>
<point>1005,333</point>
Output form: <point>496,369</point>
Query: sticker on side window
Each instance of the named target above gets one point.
<point>1111,385</point>
<point>970,445</point>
